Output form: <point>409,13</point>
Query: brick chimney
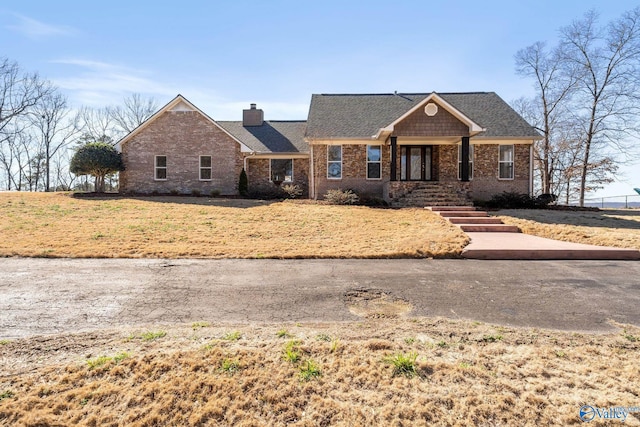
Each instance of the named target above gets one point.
<point>252,116</point>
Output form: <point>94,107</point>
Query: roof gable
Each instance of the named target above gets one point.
<point>473,128</point>
<point>178,104</point>
<point>361,116</point>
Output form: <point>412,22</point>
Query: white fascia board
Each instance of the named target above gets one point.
<point>344,141</point>
<point>259,155</point>
<point>502,140</point>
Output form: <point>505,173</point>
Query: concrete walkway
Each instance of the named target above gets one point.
<point>491,239</point>
<point>525,246</point>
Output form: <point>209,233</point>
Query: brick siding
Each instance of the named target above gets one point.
<point>354,171</point>
<point>260,180</point>
<point>182,136</point>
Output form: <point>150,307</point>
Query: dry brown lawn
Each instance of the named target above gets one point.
<point>607,227</point>
<point>59,225</point>
<point>228,375</point>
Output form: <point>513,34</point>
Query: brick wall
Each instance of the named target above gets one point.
<point>485,175</point>
<point>485,180</point>
<point>182,136</point>
<point>354,171</point>
<point>442,124</point>
<point>260,180</point>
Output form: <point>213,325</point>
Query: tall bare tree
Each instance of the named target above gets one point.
<point>134,111</point>
<point>554,85</point>
<point>19,91</point>
<point>54,126</point>
<point>96,124</point>
<point>607,61</point>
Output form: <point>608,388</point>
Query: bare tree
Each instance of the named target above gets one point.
<point>18,91</point>
<point>134,111</point>
<point>51,120</point>
<point>608,64</point>
<point>96,124</point>
<point>554,85</point>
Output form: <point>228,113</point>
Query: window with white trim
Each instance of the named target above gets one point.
<point>460,161</point>
<point>374,161</point>
<point>505,161</point>
<point>160,166</point>
<point>282,170</point>
<point>334,162</point>
<point>205,168</point>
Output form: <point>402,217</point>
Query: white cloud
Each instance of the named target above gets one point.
<point>35,29</point>
<point>97,84</point>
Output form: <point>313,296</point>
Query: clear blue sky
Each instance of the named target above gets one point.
<point>223,55</point>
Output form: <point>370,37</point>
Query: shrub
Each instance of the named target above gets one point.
<point>512,200</point>
<point>267,193</point>
<point>214,192</point>
<point>195,192</point>
<point>292,191</point>
<point>341,197</point>
<point>243,184</point>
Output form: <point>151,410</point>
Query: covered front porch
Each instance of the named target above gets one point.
<point>431,173</point>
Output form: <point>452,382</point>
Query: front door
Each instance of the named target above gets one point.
<point>415,163</point>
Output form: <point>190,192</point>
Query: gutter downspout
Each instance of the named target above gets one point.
<point>244,161</point>
<point>531,169</point>
<point>312,193</point>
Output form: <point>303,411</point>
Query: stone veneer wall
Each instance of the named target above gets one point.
<point>354,171</point>
<point>260,180</point>
<point>182,136</point>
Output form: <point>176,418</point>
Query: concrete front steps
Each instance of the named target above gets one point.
<point>493,240</point>
<point>471,220</point>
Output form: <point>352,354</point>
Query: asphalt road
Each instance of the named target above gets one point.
<point>48,296</point>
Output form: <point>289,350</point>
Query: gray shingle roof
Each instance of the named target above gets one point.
<point>361,116</point>
<point>274,136</point>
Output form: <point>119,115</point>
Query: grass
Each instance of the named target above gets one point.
<point>102,360</point>
<point>59,225</point>
<point>198,325</point>
<point>152,335</point>
<point>232,336</point>
<point>229,366</point>
<point>283,333</point>
<point>404,364</point>
<point>291,351</point>
<point>46,381</point>
<point>309,370</point>
<point>607,227</point>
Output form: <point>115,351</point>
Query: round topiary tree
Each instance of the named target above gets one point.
<point>97,159</point>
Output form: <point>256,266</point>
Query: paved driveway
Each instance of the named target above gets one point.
<point>46,296</point>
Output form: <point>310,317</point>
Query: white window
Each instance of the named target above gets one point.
<point>505,162</point>
<point>460,161</point>
<point>161,168</point>
<point>374,162</point>
<point>205,168</point>
<point>282,170</point>
<point>334,162</point>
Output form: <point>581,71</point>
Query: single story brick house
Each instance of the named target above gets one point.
<point>408,149</point>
